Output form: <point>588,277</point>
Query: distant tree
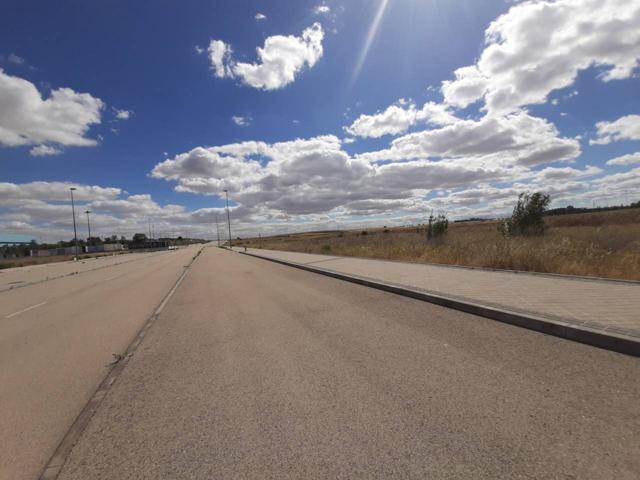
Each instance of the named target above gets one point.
<point>528,215</point>
<point>139,238</point>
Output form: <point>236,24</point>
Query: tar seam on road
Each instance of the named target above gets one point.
<point>607,340</point>
<point>54,466</point>
<point>25,310</point>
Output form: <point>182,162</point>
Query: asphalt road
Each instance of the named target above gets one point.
<point>56,340</point>
<point>257,370</point>
<point>11,278</point>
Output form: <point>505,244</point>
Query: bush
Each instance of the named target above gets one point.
<point>325,248</point>
<point>527,217</point>
<point>437,227</point>
<point>364,232</point>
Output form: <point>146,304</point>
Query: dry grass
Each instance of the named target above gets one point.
<point>603,244</point>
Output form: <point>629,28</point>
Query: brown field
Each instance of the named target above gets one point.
<point>601,244</point>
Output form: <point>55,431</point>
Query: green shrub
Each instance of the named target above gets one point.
<point>325,248</point>
<point>528,215</point>
<point>437,227</point>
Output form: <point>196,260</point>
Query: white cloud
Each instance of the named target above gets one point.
<point>219,55</point>
<point>26,119</point>
<point>624,128</point>
<point>398,118</point>
<point>517,139</point>
<point>321,9</point>
<point>198,49</point>
<point>44,150</point>
<point>281,59</point>
<point>123,114</point>
<point>51,191</point>
<point>468,87</point>
<point>241,121</point>
<point>260,16</point>
<point>312,176</point>
<point>43,209</point>
<point>629,159</point>
<point>540,46</point>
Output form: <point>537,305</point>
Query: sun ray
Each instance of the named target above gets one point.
<point>371,34</point>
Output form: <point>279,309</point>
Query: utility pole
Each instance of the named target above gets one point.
<point>218,229</point>
<point>75,233</point>
<point>226,192</point>
<point>88,222</point>
<point>149,222</point>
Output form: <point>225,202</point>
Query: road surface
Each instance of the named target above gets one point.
<point>11,278</point>
<point>257,370</point>
<point>56,340</point>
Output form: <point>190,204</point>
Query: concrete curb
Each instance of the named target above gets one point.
<point>55,464</point>
<point>609,341</point>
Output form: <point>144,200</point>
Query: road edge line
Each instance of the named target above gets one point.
<point>56,462</point>
<point>609,341</point>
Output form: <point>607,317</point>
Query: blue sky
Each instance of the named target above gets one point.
<point>146,127</point>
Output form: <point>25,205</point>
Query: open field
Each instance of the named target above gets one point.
<point>601,244</point>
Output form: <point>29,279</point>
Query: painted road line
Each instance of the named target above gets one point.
<point>25,310</point>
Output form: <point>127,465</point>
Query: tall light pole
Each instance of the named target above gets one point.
<point>75,233</point>
<point>218,229</point>
<point>226,192</point>
<point>88,222</point>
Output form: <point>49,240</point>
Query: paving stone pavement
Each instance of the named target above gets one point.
<point>606,305</point>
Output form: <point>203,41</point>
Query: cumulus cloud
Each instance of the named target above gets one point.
<point>624,128</point>
<point>43,209</point>
<point>63,118</point>
<point>260,16</point>
<point>311,176</point>
<point>44,151</point>
<point>241,121</point>
<point>52,191</point>
<point>123,114</point>
<point>220,56</point>
<point>280,60</point>
<point>629,159</point>
<point>398,118</point>
<point>513,139</point>
<point>321,9</point>
<point>538,47</point>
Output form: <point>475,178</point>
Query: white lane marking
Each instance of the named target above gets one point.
<point>112,278</point>
<point>25,310</point>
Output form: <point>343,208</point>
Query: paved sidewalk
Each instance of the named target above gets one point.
<point>601,305</point>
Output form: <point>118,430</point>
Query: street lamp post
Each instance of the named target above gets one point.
<point>75,232</point>
<point>88,223</point>
<point>218,229</point>
<point>226,192</point>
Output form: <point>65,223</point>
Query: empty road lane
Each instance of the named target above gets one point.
<point>257,370</point>
<point>56,341</point>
